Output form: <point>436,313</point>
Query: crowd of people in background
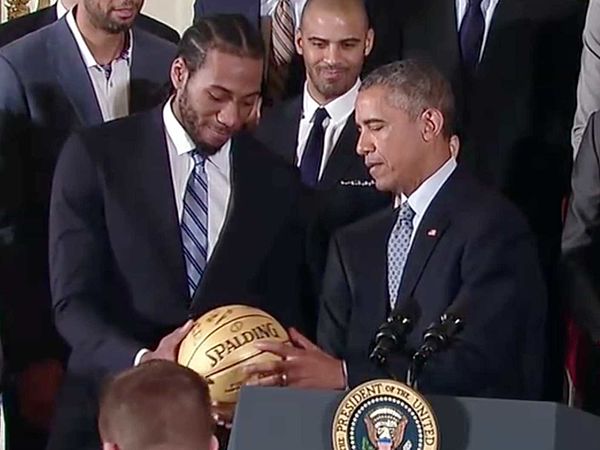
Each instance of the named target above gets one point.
<point>327,161</point>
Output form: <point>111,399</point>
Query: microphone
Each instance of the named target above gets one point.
<point>391,335</point>
<point>436,338</point>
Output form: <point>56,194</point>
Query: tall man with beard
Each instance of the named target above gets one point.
<point>163,216</point>
<point>91,66</point>
<point>316,131</point>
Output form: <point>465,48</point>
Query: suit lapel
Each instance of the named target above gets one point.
<point>148,74</point>
<point>289,128</point>
<point>72,74</point>
<point>154,197</point>
<point>431,230</point>
<point>374,250</point>
<point>251,223</point>
<point>343,155</point>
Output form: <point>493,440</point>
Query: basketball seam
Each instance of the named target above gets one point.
<point>199,344</point>
<point>238,362</point>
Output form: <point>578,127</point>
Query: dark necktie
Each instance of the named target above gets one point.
<point>471,36</point>
<point>398,248</point>
<point>194,222</point>
<point>313,152</point>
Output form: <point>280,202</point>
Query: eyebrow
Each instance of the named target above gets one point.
<point>346,40</point>
<point>227,91</point>
<point>371,122</point>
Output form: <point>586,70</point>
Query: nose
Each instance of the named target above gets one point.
<point>364,144</point>
<point>230,116</point>
<point>332,54</point>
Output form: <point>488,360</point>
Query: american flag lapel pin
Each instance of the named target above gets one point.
<point>432,233</point>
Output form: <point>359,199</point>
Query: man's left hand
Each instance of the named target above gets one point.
<point>303,365</point>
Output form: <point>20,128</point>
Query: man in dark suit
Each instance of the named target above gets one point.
<point>316,130</point>
<point>451,245</point>
<point>580,262</point>
<point>166,215</point>
<point>52,83</point>
<point>513,65</point>
<point>17,28</point>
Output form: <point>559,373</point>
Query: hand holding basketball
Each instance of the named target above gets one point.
<point>169,345</point>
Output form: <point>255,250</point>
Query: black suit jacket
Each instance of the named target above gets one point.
<point>581,235</point>
<point>515,117</point>
<point>17,28</point>
<point>332,203</point>
<point>47,93</point>
<point>116,261</point>
<point>481,260</point>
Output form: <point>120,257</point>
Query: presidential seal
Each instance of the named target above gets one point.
<point>384,415</point>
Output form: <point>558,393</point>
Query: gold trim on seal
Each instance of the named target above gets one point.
<point>412,406</point>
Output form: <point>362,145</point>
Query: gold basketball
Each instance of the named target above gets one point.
<point>221,343</point>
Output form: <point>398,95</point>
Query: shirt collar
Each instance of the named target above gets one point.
<point>183,143</point>
<point>61,11</point>
<point>86,54</point>
<point>420,199</point>
<point>338,109</point>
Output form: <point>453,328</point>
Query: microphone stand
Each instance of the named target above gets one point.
<point>436,338</point>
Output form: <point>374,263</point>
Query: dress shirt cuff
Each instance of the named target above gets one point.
<point>345,373</point>
<point>138,356</point>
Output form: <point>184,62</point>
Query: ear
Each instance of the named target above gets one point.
<point>454,146</point>
<point>433,123</point>
<point>298,42</point>
<point>214,443</point>
<point>179,73</point>
<point>369,42</point>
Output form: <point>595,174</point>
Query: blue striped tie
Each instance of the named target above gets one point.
<point>194,223</point>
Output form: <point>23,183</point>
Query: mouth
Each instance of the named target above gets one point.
<point>333,74</point>
<point>125,13</point>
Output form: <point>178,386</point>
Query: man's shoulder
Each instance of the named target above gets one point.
<point>111,137</point>
<point>29,48</point>
<point>474,206</point>
<point>151,43</point>
<point>157,28</point>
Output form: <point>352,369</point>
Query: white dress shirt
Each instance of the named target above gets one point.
<point>111,83</point>
<point>422,197</point>
<point>267,7</point>
<point>61,11</point>
<point>339,110</point>
<point>218,174</point>
<point>487,8</point>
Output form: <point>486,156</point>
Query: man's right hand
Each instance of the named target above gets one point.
<point>169,345</point>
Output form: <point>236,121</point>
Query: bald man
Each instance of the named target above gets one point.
<point>315,130</point>
<point>158,405</point>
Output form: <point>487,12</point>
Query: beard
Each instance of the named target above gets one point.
<point>334,88</point>
<point>191,123</point>
<point>101,19</point>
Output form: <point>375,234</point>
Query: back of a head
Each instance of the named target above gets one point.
<point>227,33</point>
<point>416,85</point>
<point>158,405</point>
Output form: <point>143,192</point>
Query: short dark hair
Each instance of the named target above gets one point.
<point>156,403</point>
<point>416,85</point>
<point>228,33</point>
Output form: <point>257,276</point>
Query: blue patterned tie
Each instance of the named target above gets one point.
<point>471,36</point>
<point>194,223</point>
<point>313,152</point>
<point>398,247</point>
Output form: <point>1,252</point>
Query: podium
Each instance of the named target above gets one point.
<point>299,419</point>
